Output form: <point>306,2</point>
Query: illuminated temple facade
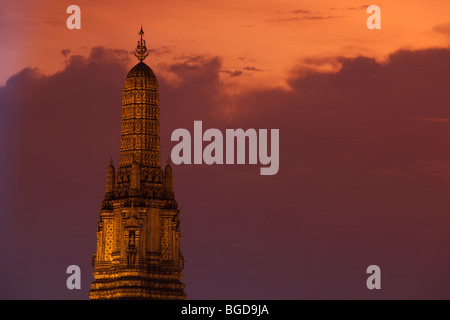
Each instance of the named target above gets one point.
<point>138,252</point>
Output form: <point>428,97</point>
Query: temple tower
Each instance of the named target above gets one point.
<point>138,252</point>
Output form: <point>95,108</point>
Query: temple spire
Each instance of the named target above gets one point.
<point>141,49</point>
<point>138,252</point>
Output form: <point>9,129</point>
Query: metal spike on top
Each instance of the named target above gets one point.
<point>141,49</point>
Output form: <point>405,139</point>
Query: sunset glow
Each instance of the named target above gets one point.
<point>261,41</point>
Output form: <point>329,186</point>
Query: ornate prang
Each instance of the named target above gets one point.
<point>138,252</point>
<point>141,49</point>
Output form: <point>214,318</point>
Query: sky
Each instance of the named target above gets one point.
<point>363,117</point>
<point>262,39</point>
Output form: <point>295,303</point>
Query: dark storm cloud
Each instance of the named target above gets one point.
<point>197,95</point>
<point>359,183</point>
<point>361,180</point>
<point>61,129</point>
<point>336,130</point>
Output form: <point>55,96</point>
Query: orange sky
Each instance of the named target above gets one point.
<point>266,37</point>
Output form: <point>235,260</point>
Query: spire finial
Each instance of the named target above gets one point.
<point>111,161</point>
<point>141,49</point>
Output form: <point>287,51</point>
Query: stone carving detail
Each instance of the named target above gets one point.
<point>108,239</point>
<point>166,240</point>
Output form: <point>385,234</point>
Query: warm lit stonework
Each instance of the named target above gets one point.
<point>138,238</point>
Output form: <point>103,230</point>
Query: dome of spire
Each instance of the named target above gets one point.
<point>141,70</point>
<point>141,76</point>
